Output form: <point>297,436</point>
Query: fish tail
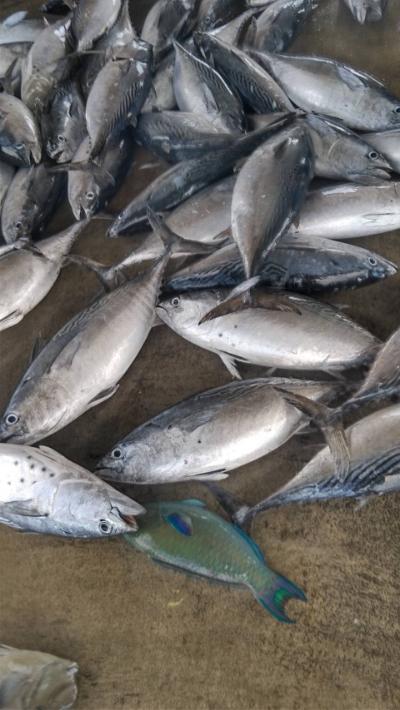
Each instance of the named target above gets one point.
<point>276,592</point>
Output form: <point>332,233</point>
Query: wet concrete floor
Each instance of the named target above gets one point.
<point>149,639</point>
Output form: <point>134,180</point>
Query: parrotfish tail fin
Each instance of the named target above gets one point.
<point>235,508</point>
<point>242,297</point>
<point>173,243</point>
<point>330,423</point>
<point>277,591</point>
<point>110,277</point>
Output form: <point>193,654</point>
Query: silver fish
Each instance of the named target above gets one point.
<point>268,194</point>
<point>215,13</point>
<point>30,203</point>
<point>254,84</point>
<point>200,89</point>
<point>347,211</point>
<point>213,432</point>
<point>321,338</point>
<point>16,29</point>
<point>64,125</point>
<point>341,154</point>
<point>167,20</point>
<point>118,93</point>
<point>82,364</point>
<point>303,265</point>
<point>162,98</point>
<point>46,65</point>
<point>367,10</point>
<point>324,86</point>
<point>42,492</point>
<point>239,31</point>
<point>280,23</point>
<point>27,274</point>
<point>19,132</point>
<point>31,679</point>
<point>89,192</point>
<point>388,144</point>
<point>91,19</point>
<point>7,173</point>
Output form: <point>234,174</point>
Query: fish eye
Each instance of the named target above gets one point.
<point>373,261</point>
<point>397,110</point>
<point>12,419</point>
<point>373,155</point>
<point>19,146</point>
<point>207,20</point>
<point>18,225</point>
<point>90,195</point>
<point>105,527</point>
<point>116,453</point>
<point>175,301</point>
<point>62,139</point>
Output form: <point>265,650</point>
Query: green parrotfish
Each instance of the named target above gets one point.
<point>186,537</point>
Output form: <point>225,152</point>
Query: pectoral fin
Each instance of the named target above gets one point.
<point>27,508</point>
<point>180,522</point>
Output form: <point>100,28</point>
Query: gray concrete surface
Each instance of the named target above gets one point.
<point>149,639</point>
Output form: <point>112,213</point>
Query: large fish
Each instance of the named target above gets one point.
<point>298,264</point>
<point>168,20</point>
<point>280,23</point>
<point>162,98</point>
<point>328,87</point>
<point>32,679</point>
<point>188,177</point>
<point>200,89</point>
<point>316,337</point>
<point>388,144</point>
<point>82,364</point>
<point>64,125</point>
<point>28,273</point>
<point>42,492</point>
<point>211,433</point>
<point>30,203</point>
<point>186,537</point>
<point>118,93</point>
<point>19,132</point>
<point>347,211</point>
<point>269,191</point>
<point>367,10</point>
<point>253,83</point>
<point>93,18</point>
<point>215,13</point>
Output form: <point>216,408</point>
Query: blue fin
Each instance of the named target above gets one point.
<point>252,544</point>
<point>276,593</point>
<point>180,522</point>
<point>194,501</point>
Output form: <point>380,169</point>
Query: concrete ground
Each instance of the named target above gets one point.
<point>148,639</point>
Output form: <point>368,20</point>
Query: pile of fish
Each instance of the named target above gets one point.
<point>245,126</point>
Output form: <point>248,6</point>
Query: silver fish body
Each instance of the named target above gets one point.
<point>30,203</point>
<point>367,10</point>
<point>215,13</point>
<point>16,29</point>
<point>43,492</point>
<point>239,31</point>
<point>388,144</point>
<point>163,96</point>
<point>93,18</point>
<point>35,679</point>
<point>280,23</point>
<point>27,276</point>
<point>268,194</point>
<point>347,211</point>
<point>337,90</point>
<point>64,126</point>
<point>212,433</point>
<point>88,192</point>
<point>19,132</point>
<point>321,338</point>
<point>82,364</point>
<point>302,265</point>
<point>165,22</point>
<point>206,216</point>
<point>7,173</point>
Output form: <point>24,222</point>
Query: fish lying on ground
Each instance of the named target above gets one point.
<point>186,537</point>
<point>367,10</point>
<point>32,679</point>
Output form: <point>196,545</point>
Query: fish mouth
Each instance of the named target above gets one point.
<point>6,436</point>
<point>131,521</point>
<point>377,176</point>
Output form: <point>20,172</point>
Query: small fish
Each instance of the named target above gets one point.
<point>255,86</point>
<point>168,20</point>
<point>213,432</point>
<point>32,679</point>
<point>347,211</point>
<point>215,13</point>
<point>30,203</point>
<point>7,173</point>
<point>316,336</point>
<point>93,18</point>
<point>302,265</point>
<point>42,492</point>
<point>186,537</point>
<point>388,145</point>
<point>118,93</point>
<point>337,90</point>
<point>19,132</point>
<point>64,125</point>
<point>280,23</point>
<point>200,89</point>
<point>162,96</point>
<point>28,273</point>
<point>17,29</point>
<point>367,10</point>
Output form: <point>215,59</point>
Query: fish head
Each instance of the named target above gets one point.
<point>210,15</point>
<point>18,228</point>
<point>36,409</point>
<point>378,268</point>
<point>183,311</point>
<point>363,163</point>
<point>111,466</point>
<point>84,195</point>
<point>29,152</point>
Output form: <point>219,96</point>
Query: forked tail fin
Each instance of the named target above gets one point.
<point>277,591</point>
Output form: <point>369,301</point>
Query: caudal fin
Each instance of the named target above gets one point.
<point>276,593</point>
